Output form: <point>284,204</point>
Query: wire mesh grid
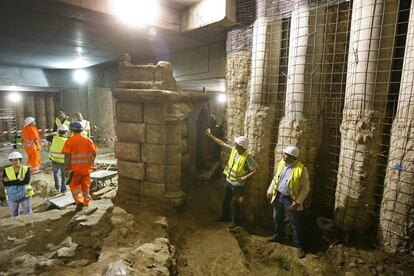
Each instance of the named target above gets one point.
<point>339,65</point>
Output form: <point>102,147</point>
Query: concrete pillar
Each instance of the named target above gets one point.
<point>102,115</point>
<point>50,111</point>
<point>300,125</point>
<point>264,79</point>
<point>40,111</point>
<point>29,107</point>
<point>396,225</point>
<point>19,109</point>
<point>369,60</point>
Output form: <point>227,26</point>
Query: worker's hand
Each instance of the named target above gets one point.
<point>208,132</point>
<point>294,206</point>
<point>241,178</point>
<point>269,194</point>
<point>5,179</point>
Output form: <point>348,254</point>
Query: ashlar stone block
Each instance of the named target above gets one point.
<point>154,113</point>
<point>131,132</point>
<point>174,133</point>
<point>128,151</point>
<point>156,134</point>
<point>154,154</point>
<point>129,112</point>
<point>132,170</point>
<point>155,173</point>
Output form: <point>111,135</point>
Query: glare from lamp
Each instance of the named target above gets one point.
<point>222,98</point>
<point>15,97</point>
<point>80,76</point>
<point>135,13</point>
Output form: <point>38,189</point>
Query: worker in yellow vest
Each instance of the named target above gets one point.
<point>239,168</point>
<point>61,119</point>
<point>57,157</point>
<point>86,125</point>
<point>287,192</point>
<point>16,179</point>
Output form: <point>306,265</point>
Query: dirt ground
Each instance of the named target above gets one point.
<point>203,246</point>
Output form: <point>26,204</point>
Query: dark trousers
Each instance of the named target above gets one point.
<point>232,194</point>
<point>280,207</point>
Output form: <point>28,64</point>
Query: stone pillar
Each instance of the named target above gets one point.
<point>260,114</point>
<point>40,111</point>
<point>173,119</point>
<point>369,60</point>
<point>396,225</point>
<point>300,125</point>
<point>237,81</point>
<point>50,111</point>
<point>149,121</point>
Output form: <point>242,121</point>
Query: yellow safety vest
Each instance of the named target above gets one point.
<point>65,122</point>
<point>236,169</point>
<point>55,151</point>
<point>294,181</point>
<point>11,175</point>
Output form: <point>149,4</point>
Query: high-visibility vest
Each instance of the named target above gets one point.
<point>11,175</point>
<point>294,181</point>
<point>236,169</point>
<point>55,151</point>
<point>82,154</point>
<point>65,122</point>
<point>26,134</point>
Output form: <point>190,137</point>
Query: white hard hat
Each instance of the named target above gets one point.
<point>292,150</point>
<point>15,155</point>
<point>242,141</point>
<point>29,120</point>
<point>63,128</point>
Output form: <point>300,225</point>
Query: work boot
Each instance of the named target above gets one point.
<point>301,253</point>
<point>79,207</point>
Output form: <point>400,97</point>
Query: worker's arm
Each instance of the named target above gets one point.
<point>67,161</point>
<point>269,192</point>
<point>215,139</point>
<point>244,177</point>
<point>37,145</point>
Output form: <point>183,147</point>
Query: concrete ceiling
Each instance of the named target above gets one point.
<point>51,34</point>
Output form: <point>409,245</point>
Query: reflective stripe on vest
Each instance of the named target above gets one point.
<point>294,181</point>
<point>82,158</point>
<point>236,169</point>
<point>55,151</point>
<point>28,143</point>
<point>11,175</point>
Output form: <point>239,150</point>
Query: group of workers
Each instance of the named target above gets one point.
<point>286,193</point>
<point>71,152</point>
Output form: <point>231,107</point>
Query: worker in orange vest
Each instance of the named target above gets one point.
<point>80,153</point>
<point>32,144</point>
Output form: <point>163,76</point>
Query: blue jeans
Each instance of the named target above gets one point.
<point>26,204</point>
<point>280,207</point>
<point>59,176</point>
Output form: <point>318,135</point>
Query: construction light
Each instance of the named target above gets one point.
<point>15,97</point>
<point>135,13</point>
<point>80,76</point>
<point>222,98</point>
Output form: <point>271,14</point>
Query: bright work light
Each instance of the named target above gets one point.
<point>80,76</point>
<point>135,13</point>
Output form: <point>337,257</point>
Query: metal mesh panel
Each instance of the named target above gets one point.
<point>328,74</point>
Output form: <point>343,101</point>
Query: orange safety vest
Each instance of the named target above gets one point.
<point>82,152</point>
